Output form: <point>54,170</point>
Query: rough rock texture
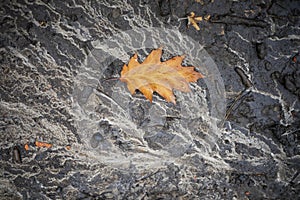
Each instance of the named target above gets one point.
<point>107,144</point>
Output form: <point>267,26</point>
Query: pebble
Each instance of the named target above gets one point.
<point>17,155</point>
<point>96,139</point>
<point>261,50</point>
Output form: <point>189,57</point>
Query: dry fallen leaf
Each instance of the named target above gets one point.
<point>193,20</point>
<point>152,75</point>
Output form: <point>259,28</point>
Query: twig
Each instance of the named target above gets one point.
<point>237,98</point>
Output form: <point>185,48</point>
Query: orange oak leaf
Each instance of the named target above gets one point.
<point>152,75</point>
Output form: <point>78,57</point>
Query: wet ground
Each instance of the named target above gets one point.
<point>236,136</point>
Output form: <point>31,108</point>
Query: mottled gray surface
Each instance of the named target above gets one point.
<point>55,56</point>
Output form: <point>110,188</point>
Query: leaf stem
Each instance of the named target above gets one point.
<point>110,79</point>
<point>179,19</point>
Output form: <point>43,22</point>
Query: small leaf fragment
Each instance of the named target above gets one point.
<point>43,144</point>
<point>26,147</point>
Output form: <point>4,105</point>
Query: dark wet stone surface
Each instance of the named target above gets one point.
<point>46,44</point>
